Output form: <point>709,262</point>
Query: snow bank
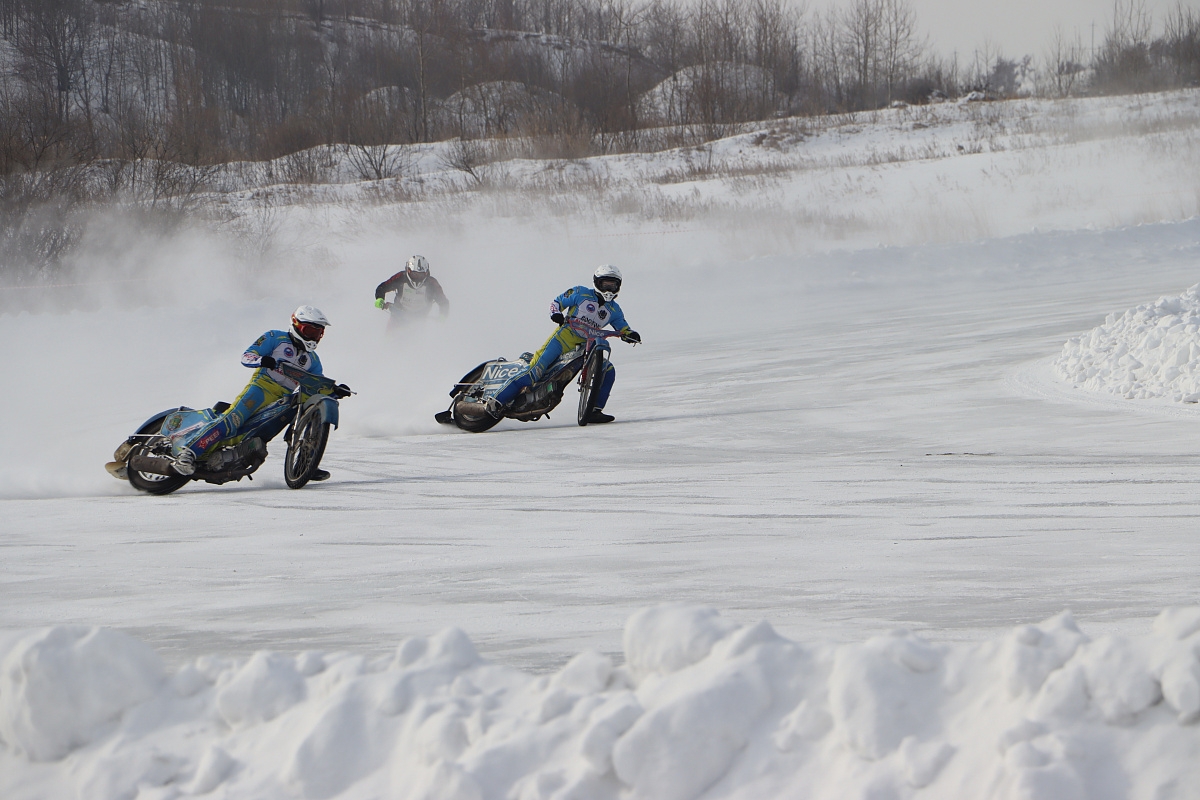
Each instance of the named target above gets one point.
<point>702,707</point>
<point>1149,351</point>
<point>60,688</point>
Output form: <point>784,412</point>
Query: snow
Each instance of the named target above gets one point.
<point>702,706</point>
<point>1149,351</point>
<point>851,535</point>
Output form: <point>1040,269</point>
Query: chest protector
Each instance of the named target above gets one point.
<point>593,313</point>
<point>296,356</point>
<point>409,298</point>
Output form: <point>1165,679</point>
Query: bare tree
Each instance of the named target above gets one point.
<point>1064,63</point>
<point>1124,63</point>
<point>901,47</point>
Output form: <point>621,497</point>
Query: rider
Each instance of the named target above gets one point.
<point>295,347</point>
<point>416,293</point>
<point>596,307</point>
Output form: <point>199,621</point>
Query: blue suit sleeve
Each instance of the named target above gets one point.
<point>568,299</point>
<point>264,346</point>
<point>617,320</point>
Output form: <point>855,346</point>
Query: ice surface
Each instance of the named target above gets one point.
<point>825,439</point>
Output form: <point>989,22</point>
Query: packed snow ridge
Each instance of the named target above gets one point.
<point>1149,351</point>
<point>702,707</point>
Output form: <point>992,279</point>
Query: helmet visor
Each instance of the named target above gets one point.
<point>608,284</point>
<point>309,330</point>
<point>416,277</point>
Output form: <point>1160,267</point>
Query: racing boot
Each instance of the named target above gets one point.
<point>598,417</point>
<point>319,474</point>
<point>185,462</point>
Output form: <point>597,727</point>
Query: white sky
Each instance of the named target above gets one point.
<point>1018,27</point>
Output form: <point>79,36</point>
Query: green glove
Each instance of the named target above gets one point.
<point>379,302</point>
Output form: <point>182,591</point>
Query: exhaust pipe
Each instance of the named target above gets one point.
<point>152,464</point>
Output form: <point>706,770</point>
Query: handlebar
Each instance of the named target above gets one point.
<point>313,384</point>
<point>588,331</point>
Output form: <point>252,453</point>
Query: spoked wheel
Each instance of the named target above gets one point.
<point>472,417</point>
<point>151,482</point>
<point>589,386</point>
<point>306,445</point>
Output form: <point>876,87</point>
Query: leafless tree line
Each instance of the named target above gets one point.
<point>113,99</point>
<point>207,81</point>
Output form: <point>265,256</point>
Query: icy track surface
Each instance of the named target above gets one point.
<point>701,706</point>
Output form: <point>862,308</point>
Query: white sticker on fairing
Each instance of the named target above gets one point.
<point>502,372</point>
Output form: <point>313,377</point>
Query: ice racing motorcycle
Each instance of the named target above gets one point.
<point>469,397</point>
<point>147,458</point>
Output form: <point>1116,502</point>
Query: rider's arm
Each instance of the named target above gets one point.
<point>264,346</point>
<point>438,296</point>
<point>617,320</point>
<point>390,285</point>
<point>566,301</point>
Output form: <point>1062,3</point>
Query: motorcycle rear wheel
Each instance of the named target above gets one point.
<point>589,387</point>
<point>306,445</point>
<point>473,417</point>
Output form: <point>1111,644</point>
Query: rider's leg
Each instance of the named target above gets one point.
<point>610,377</point>
<point>259,392</point>
<point>542,360</point>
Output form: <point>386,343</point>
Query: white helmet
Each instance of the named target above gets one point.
<point>607,280</point>
<point>308,325</point>
<point>416,270</point>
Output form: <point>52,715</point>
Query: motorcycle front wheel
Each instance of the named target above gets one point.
<point>589,386</point>
<point>150,482</point>
<point>473,417</point>
<point>306,445</point>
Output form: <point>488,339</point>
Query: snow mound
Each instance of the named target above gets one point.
<point>61,688</point>
<point>1149,351</point>
<point>703,706</point>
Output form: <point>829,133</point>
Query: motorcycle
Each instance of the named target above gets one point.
<point>471,395</point>
<point>148,458</point>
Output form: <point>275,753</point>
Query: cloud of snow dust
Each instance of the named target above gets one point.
<point>163,319</point>
<point>158,318</point>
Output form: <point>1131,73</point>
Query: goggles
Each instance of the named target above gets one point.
<point>608,284</point>
<point>309,330</point>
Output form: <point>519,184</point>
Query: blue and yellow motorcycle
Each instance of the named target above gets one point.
<point>469,399</point>
<point>147,459</point>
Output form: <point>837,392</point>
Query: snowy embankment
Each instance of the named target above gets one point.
<point>701,707</point>
<point>1149,351</point>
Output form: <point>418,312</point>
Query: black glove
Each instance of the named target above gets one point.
<point>268,362</point>
<point>632,336</point>
<point>341,390</point>
<point>557,318</point>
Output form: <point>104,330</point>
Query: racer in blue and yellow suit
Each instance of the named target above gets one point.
<point>296,348</point>
<point>592,307</point>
